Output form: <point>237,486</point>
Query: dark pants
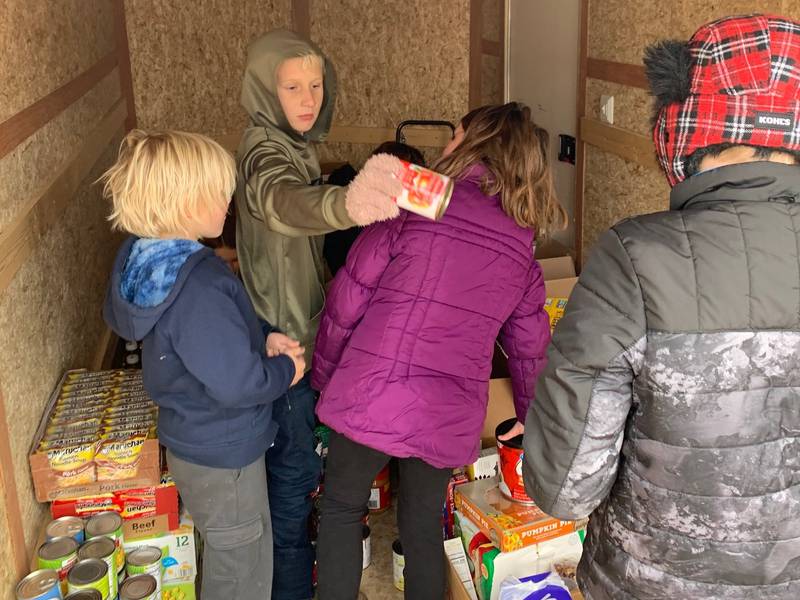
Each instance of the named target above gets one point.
<point>293,470</point>
<point>349,471</point>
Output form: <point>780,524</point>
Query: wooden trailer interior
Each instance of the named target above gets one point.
<point>76,74</point>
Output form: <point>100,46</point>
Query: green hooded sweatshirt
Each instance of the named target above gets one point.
<point>281,216</point>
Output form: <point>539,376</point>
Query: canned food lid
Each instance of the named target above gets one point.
<point>99,547</point>
<point>64,526</point>
<point>85,594</point>
<point>137,587</point>
<point>87,571</point>
<point>103,523</point>
<point>143,555</point>
<point>448,194</point>
<point>37,583</point>
<point>58,547</point>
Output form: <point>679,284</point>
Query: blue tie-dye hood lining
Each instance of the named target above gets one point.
<point>151,269</point>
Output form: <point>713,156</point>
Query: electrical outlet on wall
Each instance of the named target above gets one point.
<point>607,109</point>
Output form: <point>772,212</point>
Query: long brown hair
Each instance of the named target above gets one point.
<point>514,150</point>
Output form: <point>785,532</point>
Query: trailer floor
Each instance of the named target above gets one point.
<point>377,580</point>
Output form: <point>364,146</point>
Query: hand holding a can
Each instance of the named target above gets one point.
<point>371,195</point>
<point>517,429</point>
<point>387,183</point>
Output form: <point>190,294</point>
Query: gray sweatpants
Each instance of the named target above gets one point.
<point>231,511</point>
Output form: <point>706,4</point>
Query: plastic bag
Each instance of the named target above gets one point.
<point>547,586</point>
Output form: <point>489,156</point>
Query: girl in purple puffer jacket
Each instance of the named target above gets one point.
<point>404,349</point>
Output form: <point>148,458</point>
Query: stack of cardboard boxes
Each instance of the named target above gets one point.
<point>494,537</point>
<point>78,481</point>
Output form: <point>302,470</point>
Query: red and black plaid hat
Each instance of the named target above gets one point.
<point>737,80</point>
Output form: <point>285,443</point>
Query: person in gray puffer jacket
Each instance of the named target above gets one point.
<point>670,407</point>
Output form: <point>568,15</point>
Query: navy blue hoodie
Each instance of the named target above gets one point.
<point>203,359</point>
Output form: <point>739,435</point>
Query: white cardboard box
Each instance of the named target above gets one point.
<point>178,559</point>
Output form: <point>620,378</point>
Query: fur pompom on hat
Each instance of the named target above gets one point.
<point>737,80</point>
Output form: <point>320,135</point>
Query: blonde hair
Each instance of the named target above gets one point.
<point>514,150</point>
<point>161,178</point>
<point>312,59</point>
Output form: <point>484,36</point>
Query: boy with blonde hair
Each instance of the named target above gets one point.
<point>282,215</point>
<point>204,357</point>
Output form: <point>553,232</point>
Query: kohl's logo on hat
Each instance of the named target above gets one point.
<point>774,120</point>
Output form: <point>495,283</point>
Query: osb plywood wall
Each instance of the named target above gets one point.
<point>188,58</point>
<point>392,60</point>
<point>27,38</point>
<point>8,574</point>
<point>492,30</point>
<point>619,31</point>
<point>393,63</point>
<point>50,309</point>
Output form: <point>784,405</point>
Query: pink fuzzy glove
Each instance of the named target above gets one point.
<point>371,195</point>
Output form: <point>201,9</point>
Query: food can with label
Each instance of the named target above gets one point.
<point>398,565</point>
<point>108,523</point>
<point>92,574</point>
<point>511,456</point>
<point>43,584</point>
<point>103,549</point>
<point>139,587</point>
<point>145,560</point>
<point>366,547</point>
<point>87,594</point>
<point>425,192</point>
<point>58,554</point>
<point>380,497</point>
<point>65,526</point>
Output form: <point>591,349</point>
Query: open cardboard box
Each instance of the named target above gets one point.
<point>47,485</point>
<point>559,279</point>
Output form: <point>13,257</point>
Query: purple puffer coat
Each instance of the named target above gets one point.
<point>404,349</point>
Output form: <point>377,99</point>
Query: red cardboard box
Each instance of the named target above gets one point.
<point>145,511</point>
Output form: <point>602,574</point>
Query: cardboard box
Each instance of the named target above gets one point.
<point>133,503</point>
<point>46,482</point>
<point>178,559</point>
<point>492,567</point>
<point>509,525</point>
<point>457,478</point>
<point>499,409</point>
<point>459,589</point>
<point>559,279</point>
<point>144,527</point>
<point>559,276</point>
<point>459,577</point>
<point>145,511</point>
<point>487,465</point>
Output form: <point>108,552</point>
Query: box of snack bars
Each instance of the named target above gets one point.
<point>97,435</point>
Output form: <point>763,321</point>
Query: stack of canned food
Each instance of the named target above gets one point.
<point>86,561</point>
<point>98,426</point>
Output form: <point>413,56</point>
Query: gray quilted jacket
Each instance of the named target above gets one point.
<point>670,407</point>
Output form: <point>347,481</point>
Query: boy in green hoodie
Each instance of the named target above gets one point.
<point>289,91</point>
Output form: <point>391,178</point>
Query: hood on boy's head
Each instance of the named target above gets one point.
<point>259,88</point>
